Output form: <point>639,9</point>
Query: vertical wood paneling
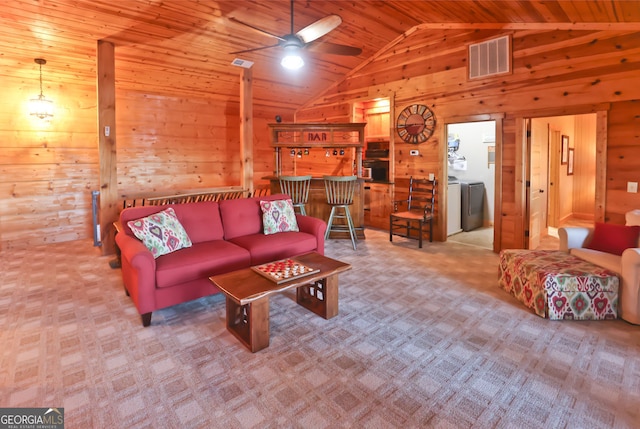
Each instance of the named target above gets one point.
<point>584,182</point>
<point>246,129</point>
<point>107,148</point>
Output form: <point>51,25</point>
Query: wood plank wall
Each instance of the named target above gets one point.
<point>165,145</point>
<point>553,71</point>
<point>48,168</point>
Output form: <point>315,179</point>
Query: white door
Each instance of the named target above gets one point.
<point>538,143</point>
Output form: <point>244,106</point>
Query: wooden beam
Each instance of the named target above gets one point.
<point>602,119</point>
<point>107,145</point>
<point>246,128</point>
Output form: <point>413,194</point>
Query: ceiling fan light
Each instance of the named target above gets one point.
<point>292,62</point>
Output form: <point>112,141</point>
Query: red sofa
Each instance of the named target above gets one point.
<point>226,236</point>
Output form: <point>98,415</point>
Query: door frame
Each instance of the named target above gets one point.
<point>523,157</point>
<point>497,200</point>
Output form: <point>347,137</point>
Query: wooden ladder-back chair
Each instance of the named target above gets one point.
<point>340,191</point>
<point>297,187</point>
<point>420,205</point>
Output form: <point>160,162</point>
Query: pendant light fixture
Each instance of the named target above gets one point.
<point>41,107</point>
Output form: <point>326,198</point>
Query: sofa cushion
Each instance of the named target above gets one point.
<point>278,216</point>
<point>201,260</point>
<point>160,232</point>
<point>612,238</point>
<point>243,216</point>
<point>267,248</point>
<point>605,260</point>
<point>200,220</point>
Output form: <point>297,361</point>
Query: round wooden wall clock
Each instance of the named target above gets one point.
<point>416,123</point>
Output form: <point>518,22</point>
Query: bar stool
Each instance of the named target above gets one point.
<point>340,190</point>
<point>297,187</point>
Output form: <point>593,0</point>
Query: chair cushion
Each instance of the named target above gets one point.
<point>278,216</point>
<point>612,238</point>
<point>267,248</point>
<point>201,260</point>
<point>161,232</point>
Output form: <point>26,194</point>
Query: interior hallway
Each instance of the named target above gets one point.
<point>483,237</point>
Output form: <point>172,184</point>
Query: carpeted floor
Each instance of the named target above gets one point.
<point>424,338</point>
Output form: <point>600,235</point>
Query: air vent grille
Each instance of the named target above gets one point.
<point>489,58</point>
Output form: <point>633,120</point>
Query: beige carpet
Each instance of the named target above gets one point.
<point>424,338</point>
<point>480,237</point>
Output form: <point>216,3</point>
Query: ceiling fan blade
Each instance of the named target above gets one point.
<point>334,48</point>
<point>254,49</point>
<point>319,28</point>
<point>259,30</point>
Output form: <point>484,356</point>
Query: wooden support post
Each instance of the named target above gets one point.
<point>246,128</point>
<point>107,145</point>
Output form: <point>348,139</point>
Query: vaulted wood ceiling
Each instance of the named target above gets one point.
<point>182,47</point>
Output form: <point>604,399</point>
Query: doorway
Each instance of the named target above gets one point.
<point>562,183</point>
<point>471,170</point>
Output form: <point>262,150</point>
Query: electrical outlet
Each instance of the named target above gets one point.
<point>414,152</point>
<point>107,131</point>
<point>431,176</point>
<point>632,187</point>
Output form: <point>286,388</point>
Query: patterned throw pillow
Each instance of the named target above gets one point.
<point>278,216</point>
<point>161,232</point>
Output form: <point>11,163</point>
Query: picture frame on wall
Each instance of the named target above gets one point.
<point>564,159</point>
<point>570,162</point>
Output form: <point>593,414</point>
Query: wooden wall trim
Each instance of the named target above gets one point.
<point>106,92</point>
<point>521,165</point>
<point>537,26</point>
<point>497,212</point>
<point>561,111</point>
<point>246,128</point>
<point>602,118</point>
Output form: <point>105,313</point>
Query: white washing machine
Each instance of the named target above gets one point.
<point>454,208</point>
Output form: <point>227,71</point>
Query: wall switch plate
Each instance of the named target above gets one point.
<point>632,187</point>
<point>431,176</point>
<point>414,152</point>
<point>107,131</point>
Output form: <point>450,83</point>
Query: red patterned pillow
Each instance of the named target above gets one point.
<point>612,238</point>
<point>278,216</point>
<point>160,232</point>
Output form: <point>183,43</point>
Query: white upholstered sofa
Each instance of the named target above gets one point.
<point>627,266</point>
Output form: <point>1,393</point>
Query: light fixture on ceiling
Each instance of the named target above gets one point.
<point>292,59</point>
<point>41,107</point>
<point>292,62</point>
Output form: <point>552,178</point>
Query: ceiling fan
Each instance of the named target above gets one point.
<point>293,43</point>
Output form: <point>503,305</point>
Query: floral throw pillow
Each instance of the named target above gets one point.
<point>278,216</point>
<point>161,232</point>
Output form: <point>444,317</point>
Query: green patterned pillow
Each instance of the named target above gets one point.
<point>278,216</point>
<point>161,232</point>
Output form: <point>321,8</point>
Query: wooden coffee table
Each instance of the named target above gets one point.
<point>247,297</point>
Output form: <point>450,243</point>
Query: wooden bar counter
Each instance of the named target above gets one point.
<point>317,205</point>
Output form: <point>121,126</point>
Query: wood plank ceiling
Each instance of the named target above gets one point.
<point>182,47</point>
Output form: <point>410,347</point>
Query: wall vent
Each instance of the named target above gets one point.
<point>490,58</point>
<point>238,62</point>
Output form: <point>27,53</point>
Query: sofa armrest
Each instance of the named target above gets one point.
<point>315,226</point>
<point>138,272</point>
<point>574,236</point>
<point>630,305</point>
